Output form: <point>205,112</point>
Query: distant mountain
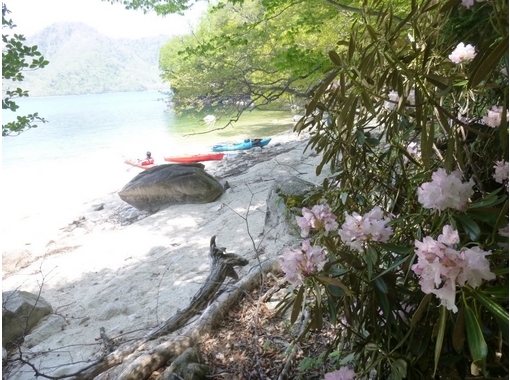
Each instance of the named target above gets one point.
<point>83,61</point>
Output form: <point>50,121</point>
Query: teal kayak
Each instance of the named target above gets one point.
<point>246,144</point>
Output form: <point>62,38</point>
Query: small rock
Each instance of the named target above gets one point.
<point>98,207</point>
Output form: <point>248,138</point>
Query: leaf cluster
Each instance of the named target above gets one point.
<point>16,58</point>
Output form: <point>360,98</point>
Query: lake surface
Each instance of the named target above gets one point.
<point>78,154</point>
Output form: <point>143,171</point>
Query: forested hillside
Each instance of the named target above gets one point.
<point>83,61</point>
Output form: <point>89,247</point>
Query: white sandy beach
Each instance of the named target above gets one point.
<point>98,271</point>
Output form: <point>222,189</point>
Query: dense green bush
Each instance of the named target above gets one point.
<point>407,245</point>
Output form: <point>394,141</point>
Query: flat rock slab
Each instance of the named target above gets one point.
<point>171,184</point>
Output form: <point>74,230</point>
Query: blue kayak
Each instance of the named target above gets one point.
<point>246,144</point>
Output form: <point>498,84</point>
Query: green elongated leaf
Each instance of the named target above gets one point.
<point>368,102</point>
<point>487,63</point>
<point>381,285</point>
<point>489,200</point>
<point>458,337</point>
<point>496,310</point>
<point>318,293</point>
<point>438,81</point>
<point>332,310</point>
<point>399,249</point>
<point>335,58</point>
<point>421,308</point>
<point>370,259</point>
<point>383,301</point>
<point>317,319</point>
<point>347,359</point>
<point>335,282</point>
<point>500,292</point>
<point>372,32</point>
<point>296,309</point>
<point>476,341</point>
<point>352,47</point>
<point>393,266</point>
<point>485,215</point>
<point>335,291</point>
<point>441,327</point>
<point>469,226</point>
<point>335,272</point>
<point>499,271</point>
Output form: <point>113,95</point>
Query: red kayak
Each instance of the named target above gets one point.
<point>195,158</point>
<point>137,164</point>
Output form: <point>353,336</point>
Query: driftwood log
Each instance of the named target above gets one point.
<point>222,266</point>
<point>154,350</point>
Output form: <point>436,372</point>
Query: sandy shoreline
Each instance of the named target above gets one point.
<point>102,270</point>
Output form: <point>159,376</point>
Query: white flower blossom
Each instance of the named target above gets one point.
<point>445,191</point>
<point>299,263</point>
<point>493,117</point>
<point>462,53</point>
<point>357,229</point>
<point>501,171</point>
<point>469,3</point>
<point>441,267</point>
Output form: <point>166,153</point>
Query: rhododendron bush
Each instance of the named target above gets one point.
<point>406,248</point>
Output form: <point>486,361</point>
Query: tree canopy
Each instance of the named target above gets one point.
<point>242,53</point>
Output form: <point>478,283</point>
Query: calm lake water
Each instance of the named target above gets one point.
<point>78,154</point>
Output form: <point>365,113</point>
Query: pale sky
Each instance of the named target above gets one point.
<point>113,20</point>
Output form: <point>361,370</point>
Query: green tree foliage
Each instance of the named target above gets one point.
<point>248,52</point>
<point>16,58</point>
<point>162,7</point>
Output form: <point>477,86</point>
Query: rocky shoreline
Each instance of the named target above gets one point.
<point>116,268</point>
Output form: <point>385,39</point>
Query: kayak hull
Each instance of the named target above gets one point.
<point>195,158</point>
<point>247,144</point>
<point>137,165</point>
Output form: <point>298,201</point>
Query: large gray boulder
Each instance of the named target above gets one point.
<point>21,311</point>
<point>280,223</point>
<point>171,184</point>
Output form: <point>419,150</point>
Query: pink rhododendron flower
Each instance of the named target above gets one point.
<point>318,218</point>
<point>441,267</point>
<point>445,191</point>
<point>462,53</point>
<point>501,171</point>
<point>469,3</point>
<point>299,263</point>
<point>343,373</point>
<point>357,230</point>
<point>493,117</point>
